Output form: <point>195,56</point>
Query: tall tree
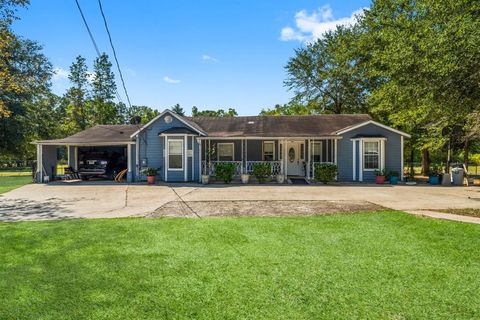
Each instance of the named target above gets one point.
<point>141,114</point>
<point>178,109</point>
<point>231,112</point>
<point>326,72</point>
<point>78,115</point>
<point>104,88</point>
<point>291,108</point>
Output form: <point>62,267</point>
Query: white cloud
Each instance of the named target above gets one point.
<point>312,26</point>
<point>206,57</point>
<point>60,74</point>
<point>170,80</point>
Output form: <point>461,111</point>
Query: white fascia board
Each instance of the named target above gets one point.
<point>348,129</point>
<point>173,114</point>
<point>270,138</point>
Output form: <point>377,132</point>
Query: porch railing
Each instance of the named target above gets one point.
<point>211,167</point>
<point>276,166</point>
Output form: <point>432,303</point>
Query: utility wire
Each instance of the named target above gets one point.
<point>114,52</point>
<point>94,42</point>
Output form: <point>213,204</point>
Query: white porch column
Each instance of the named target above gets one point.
<point>335,151</point>
<point>165,158</point>
<point>354,155</point>
<point>309,152</point>
<point>285,152</point>
<point>200,160</point>
<point>185,159</point>
<point>360,160</point>
<point>382,154</point>
<point>137,158</point>
<point>241,156</point>
<point>68,156</point>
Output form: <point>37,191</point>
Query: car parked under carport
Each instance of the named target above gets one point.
<point>88,151</point>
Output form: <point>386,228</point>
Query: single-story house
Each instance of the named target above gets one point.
<point>185,148</point>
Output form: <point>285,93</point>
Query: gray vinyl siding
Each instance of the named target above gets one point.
<point>393,161</point>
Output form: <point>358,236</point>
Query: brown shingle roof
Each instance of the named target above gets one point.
<point>278,126</point>
<point>99,134</point>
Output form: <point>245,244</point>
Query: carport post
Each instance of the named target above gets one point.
<point>39,175</point>
<point>129,162</point>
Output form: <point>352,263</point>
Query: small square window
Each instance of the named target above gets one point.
<point>268,150</point>
<point>225,151</point>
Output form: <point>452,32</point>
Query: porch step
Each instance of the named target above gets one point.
<point>298,180</point>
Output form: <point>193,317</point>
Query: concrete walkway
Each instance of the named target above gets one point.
<point>105,200</point>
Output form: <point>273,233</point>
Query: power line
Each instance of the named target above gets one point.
<point>94,42</point>
<point>114,52</point>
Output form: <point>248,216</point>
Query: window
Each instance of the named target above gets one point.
<point>225,152</point>
<point>302,151</point>
<point>268,150</point>
<point>175,154</point>
<point>317,151</point>
<point>371,155</point>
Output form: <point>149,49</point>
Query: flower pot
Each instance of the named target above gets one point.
<point>433,180</point>
<point>280,178</point>
<point>205,178</point>
<point>476,181</point>
<point>380,179</point>
<point>151,179</point>
<point>245,178</point>
<point>393,180</point>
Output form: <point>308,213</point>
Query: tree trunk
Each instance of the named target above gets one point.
<point>466,150</point>
<point>412,168</point>
<point>425,161</point>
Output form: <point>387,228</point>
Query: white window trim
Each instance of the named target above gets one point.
<point>381,157</point>
<point>263,149</point>
<point>168,154</point>
<point>226,143</point>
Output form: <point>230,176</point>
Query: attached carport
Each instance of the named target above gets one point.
<point>98,137</point>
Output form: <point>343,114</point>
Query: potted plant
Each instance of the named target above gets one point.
<point>393,177</point>
<point>380,176</point>
<point>325,172</point>
<point>262,171</point>
<point>151,174</point>
<point>225,171</point>
<point>434,175</point>
<point>280,178</point>
<point>245,178</point>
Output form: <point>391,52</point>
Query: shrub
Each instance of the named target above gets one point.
<point>325,172</point>
<point>393,174</point>
<point>262,171</point>
<point>380,173</point>
<point>150,171</point>
<point>225,171</point>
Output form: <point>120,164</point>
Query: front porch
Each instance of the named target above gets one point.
<point>286,157</point>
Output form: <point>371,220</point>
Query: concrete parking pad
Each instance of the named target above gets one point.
<point>106,200</point>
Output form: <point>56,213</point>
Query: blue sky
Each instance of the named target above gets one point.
<point>212,54</point>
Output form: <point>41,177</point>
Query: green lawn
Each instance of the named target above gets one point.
<point>8,183</point>
<point>385,265</point>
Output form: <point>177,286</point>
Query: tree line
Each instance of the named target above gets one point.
<point>414,65</point>
<point>30,111</point>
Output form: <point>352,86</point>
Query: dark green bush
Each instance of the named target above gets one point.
<point>225,171</point>
<point>325,172</point>
<point>262,171</point>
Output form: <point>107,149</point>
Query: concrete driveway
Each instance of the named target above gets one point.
<point>105,200</point>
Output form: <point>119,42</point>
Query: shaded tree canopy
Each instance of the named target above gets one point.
<point>231,112</point>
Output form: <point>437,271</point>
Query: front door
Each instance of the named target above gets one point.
<point>294,158</point>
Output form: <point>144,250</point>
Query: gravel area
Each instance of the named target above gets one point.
<point>260,208</point>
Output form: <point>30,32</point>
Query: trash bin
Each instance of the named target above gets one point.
<point>457,176</point>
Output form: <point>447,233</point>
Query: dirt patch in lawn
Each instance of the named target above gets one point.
<point>463,212</point>
<point>260,208</point>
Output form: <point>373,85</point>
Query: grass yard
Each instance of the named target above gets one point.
<point>11,182</point>
<point>384,265</point>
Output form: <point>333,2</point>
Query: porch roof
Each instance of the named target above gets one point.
<point>278,126</point>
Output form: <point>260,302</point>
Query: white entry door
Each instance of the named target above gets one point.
<point>294,158</point>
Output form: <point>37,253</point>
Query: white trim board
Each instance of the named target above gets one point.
<point>173,114</point>
<point>374,123</point>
